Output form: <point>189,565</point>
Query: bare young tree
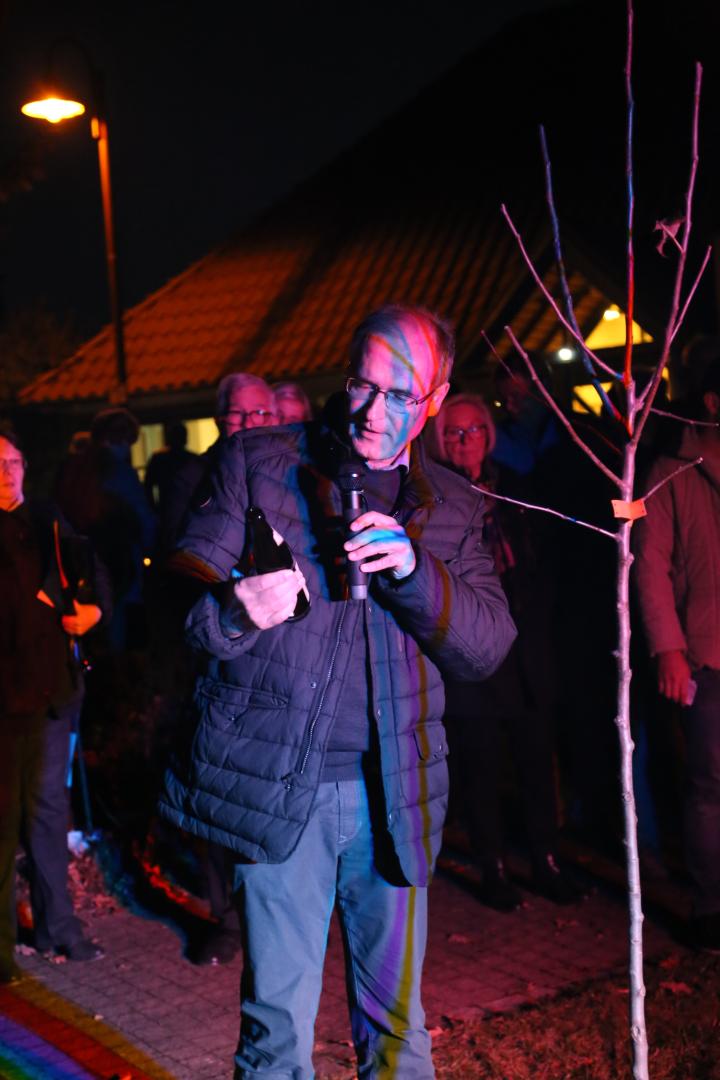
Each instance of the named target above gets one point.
<point>627,507</point>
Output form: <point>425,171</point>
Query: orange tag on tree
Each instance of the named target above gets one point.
<point>628,511</point>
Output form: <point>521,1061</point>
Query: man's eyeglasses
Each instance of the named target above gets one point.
<point>255,417</point>
<point>397,401</point>
<point>458,434</point>
<point>9,464</point>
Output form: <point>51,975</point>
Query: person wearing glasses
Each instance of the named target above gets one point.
<point>53,593</point>
<point>243,401</point>
<point>318,757</point>
<point>516,703</point>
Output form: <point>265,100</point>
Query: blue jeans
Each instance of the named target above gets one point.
<point>285,916</point>
<point>702,800</point>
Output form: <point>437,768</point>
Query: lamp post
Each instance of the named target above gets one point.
<point>54,106</point>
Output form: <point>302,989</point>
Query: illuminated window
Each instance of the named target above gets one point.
<point>586,398</point>
<point>201,434</point>
<point>610,331</point>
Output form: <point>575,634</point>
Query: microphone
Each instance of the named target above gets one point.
<point>350,482</point>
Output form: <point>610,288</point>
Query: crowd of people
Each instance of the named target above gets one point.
<point>324,751</point>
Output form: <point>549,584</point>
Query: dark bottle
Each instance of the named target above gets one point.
<point>268,552</point>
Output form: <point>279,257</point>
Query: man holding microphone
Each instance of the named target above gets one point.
<point>319,752</point>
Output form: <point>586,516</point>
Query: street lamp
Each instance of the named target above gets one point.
<point>54,106</point>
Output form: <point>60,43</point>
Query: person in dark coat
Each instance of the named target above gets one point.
<point>319,753</point>
<point>100,494</point>
<point>517,700</point>
<point>243,402</point>
<point>48,602</point>
<point>677,578</point>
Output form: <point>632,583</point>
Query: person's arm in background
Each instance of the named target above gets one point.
<point>77,577</point>
<point>654,538</point>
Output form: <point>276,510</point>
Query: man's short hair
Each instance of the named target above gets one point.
<point>386,320</point>
<point>236,380</point>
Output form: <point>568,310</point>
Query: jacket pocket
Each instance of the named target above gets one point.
<point>243,697</point>
<point>431,741</point>
<point>223,706</point>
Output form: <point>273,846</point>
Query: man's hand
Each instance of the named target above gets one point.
<point>673,675</point>
<point>269,599</point>
<point>384,541</point>
<point>86,616</point>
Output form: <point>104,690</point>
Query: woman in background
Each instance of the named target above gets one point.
<point>517,701</point>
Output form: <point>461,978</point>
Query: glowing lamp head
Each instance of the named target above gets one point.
<point>53,109</point>
<point>565,353</point>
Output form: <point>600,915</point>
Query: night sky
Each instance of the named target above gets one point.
<point>214,116</point>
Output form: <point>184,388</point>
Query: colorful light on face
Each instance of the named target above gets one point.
<point>403,359</point>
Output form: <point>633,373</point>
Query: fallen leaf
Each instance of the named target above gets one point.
<point>459,939</point>
<point>436,1032</point>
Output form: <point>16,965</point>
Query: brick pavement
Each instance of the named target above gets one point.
<point>145,1012</point>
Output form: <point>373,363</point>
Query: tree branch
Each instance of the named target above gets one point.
<point>552,404</point>
<point>587,362</point>
<point>551,300</point>
<point>630,305</point>
<point>684,419</point>
<point>647,397</point>
<point>666,479</point>
<point>546,510</point>
<point>700,273</point>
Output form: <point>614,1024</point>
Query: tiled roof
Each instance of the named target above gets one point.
<point>283,307</point>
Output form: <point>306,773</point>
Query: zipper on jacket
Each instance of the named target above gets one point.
<point>287,780</point>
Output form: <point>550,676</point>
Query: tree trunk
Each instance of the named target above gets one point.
<point>638,1030</point>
